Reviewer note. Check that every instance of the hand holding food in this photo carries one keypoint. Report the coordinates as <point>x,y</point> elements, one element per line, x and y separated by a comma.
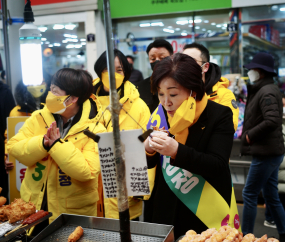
<point>77,233</point>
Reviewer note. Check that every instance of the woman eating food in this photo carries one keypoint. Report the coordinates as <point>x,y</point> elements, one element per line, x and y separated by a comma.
<point>193,188</point>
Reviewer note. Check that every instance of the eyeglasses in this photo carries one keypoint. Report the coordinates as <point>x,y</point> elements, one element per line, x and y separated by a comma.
<point>203,62</point>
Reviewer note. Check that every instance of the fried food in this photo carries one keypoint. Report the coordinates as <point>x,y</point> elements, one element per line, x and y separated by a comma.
<point>3,200</point>
<point>34,217</point>
<point>76,234</point>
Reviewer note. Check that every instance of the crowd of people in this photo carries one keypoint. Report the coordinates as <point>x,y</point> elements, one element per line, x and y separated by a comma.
<point>188,161</point>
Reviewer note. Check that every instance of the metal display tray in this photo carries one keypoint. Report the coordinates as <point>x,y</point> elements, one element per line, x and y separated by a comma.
<point>98,229</point>
<point>22,230</point>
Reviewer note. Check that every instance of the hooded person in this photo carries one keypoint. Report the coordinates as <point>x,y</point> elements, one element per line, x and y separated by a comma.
<point>134,115</point>
<point>62,162</point>
<point>216,86</point>
<point>156,51</point>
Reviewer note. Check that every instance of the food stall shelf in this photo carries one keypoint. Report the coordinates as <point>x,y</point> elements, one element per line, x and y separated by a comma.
<point>103,229</point>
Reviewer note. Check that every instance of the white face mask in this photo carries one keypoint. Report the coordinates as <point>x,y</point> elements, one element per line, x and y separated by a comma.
<point>253,76</point>
<point>283,110</point>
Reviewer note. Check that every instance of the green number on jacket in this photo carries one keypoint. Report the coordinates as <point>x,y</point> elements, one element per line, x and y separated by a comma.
<point>38,170</point>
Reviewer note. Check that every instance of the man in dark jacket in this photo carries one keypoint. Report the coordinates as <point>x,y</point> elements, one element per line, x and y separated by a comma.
<point>263,139</point>
<point>156,51</point>
<point>136,75</point>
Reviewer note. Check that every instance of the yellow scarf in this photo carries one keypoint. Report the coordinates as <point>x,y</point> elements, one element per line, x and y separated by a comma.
<point>185,116</point>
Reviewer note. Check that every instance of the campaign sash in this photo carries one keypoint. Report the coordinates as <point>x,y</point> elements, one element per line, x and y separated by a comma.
<point>194,191</point>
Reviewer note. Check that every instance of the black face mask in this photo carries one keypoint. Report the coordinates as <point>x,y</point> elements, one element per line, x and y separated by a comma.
<point>153,64</point>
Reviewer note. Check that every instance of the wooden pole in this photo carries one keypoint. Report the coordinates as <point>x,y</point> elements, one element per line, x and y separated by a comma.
<point>122,193</point>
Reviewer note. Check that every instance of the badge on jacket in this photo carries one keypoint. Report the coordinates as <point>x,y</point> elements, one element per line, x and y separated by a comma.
<point>234,103</point>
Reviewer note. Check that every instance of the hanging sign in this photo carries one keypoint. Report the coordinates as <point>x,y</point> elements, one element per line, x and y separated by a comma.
<point>17,174</point>
<point>135,162</point>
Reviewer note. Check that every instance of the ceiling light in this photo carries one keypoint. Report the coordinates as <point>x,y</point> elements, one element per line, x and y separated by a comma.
<point>58,26</point>
<point>44,39</point>
<point>78,56</point>
<point>73,36</point>
<point>218,26</point>
<point>206,21</point>
<point>157,24</point>
<point>213,23</point>
<point>177,29</point>
<point>56,44</point>
<point>77,46</point>
<point>84,43</point>
<point>191,21</point>
<point>182,22</point>
<point>64,41</point>
<point>82,39</point>
<point>282,9</point>
<point>190,25</point>
<point>67,35</point>
<point>209,31</point>
<point>50,45</point>
<point>70,26</point>
<point>68,56</point>
<point>225,25</point>
<point>145,25</point>
<point>47,42</point>
<point>42,43</point>
<point>69,46</point>
<point>74,40</point>
<point>170,27</point>
<point>274,7</point>
<point>203,29</point>
<point>197,21</point>
<point>168,30</point>
<point>197,27</point>
<point>184,34</point>
<point>43,29</point>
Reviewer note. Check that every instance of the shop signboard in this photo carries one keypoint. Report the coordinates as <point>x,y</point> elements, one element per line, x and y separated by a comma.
<point>17,174</point>
<point>132,8</point>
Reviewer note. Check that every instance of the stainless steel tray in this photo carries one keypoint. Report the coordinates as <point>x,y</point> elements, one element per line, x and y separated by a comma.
<point>22,230</point>
<point>103,230</point>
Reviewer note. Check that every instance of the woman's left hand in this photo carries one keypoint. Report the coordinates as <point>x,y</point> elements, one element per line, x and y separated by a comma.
<point>164,144</point>
<point>52,134</point>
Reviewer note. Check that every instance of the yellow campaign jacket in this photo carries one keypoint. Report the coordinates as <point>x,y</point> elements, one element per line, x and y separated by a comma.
<point>137,110</point>
<point>69,170</point>
<point>224,96</point>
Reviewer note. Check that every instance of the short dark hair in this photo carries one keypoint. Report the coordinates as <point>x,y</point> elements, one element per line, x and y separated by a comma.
<point>160,43</point>
<point>76,83</point>
<point>131,57</point>
<point>183,69</point>
<point>101,64</point>
<point>205,55</point>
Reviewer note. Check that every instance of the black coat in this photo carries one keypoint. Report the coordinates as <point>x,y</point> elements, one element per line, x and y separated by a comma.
<point>263,120</point>
<point>151,100</point>
<point>7,103</point>
<point>136,76</point>
<point>206,153</point>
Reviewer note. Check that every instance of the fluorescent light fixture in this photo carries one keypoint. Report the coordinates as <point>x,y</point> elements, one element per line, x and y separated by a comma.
<point>203,29</point>
<point>182,22</point>
<point>190,25</point>
<point>197,21</point>
<point>157,24</point>
<point>42,43</point>
<point>69,46</point>
<point>74,40</point>
<point>64,41</point>
<point>77,46</point>
<point>73,36</point>
<point>282,9</point>
<point>197,27</point>
<point>274,7</point>
<point>83,43</point>
<point>168,30</point>
<point>70,26</point>
<point>209,31</point>
<point>206,21</point>
<point>58,26</point>
<point>170,27</point>
<point>145,25</point>
<point>51,45</point>
<point>56,44</point>
<point>78,56</point>
<point>47,42</point>
<point>67,35</point>
<point>177,29</point>
<point>184,34</point>
<point>68,56</point>
<point>218,26</point>
<point>191,21</point>
<point>225,25</point>
<point>213,23</point>
<point>44,39</point>
<point>42,29</point>
<point>82,39</point>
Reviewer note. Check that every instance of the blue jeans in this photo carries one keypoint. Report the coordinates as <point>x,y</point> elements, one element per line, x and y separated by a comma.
<point>262,175</point>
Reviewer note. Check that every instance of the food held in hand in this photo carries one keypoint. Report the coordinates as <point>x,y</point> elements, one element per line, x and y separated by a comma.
<point>76,234</point>
<point>3,200</point>
<point>224,234</point>
<point>34,217</point>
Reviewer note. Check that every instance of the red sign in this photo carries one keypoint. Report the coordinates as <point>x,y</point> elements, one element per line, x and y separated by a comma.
<point>42,2</point>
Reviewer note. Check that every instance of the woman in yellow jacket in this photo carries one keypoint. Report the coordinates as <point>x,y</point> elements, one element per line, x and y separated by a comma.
<point>63,163</point>
<point>134,115</point>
